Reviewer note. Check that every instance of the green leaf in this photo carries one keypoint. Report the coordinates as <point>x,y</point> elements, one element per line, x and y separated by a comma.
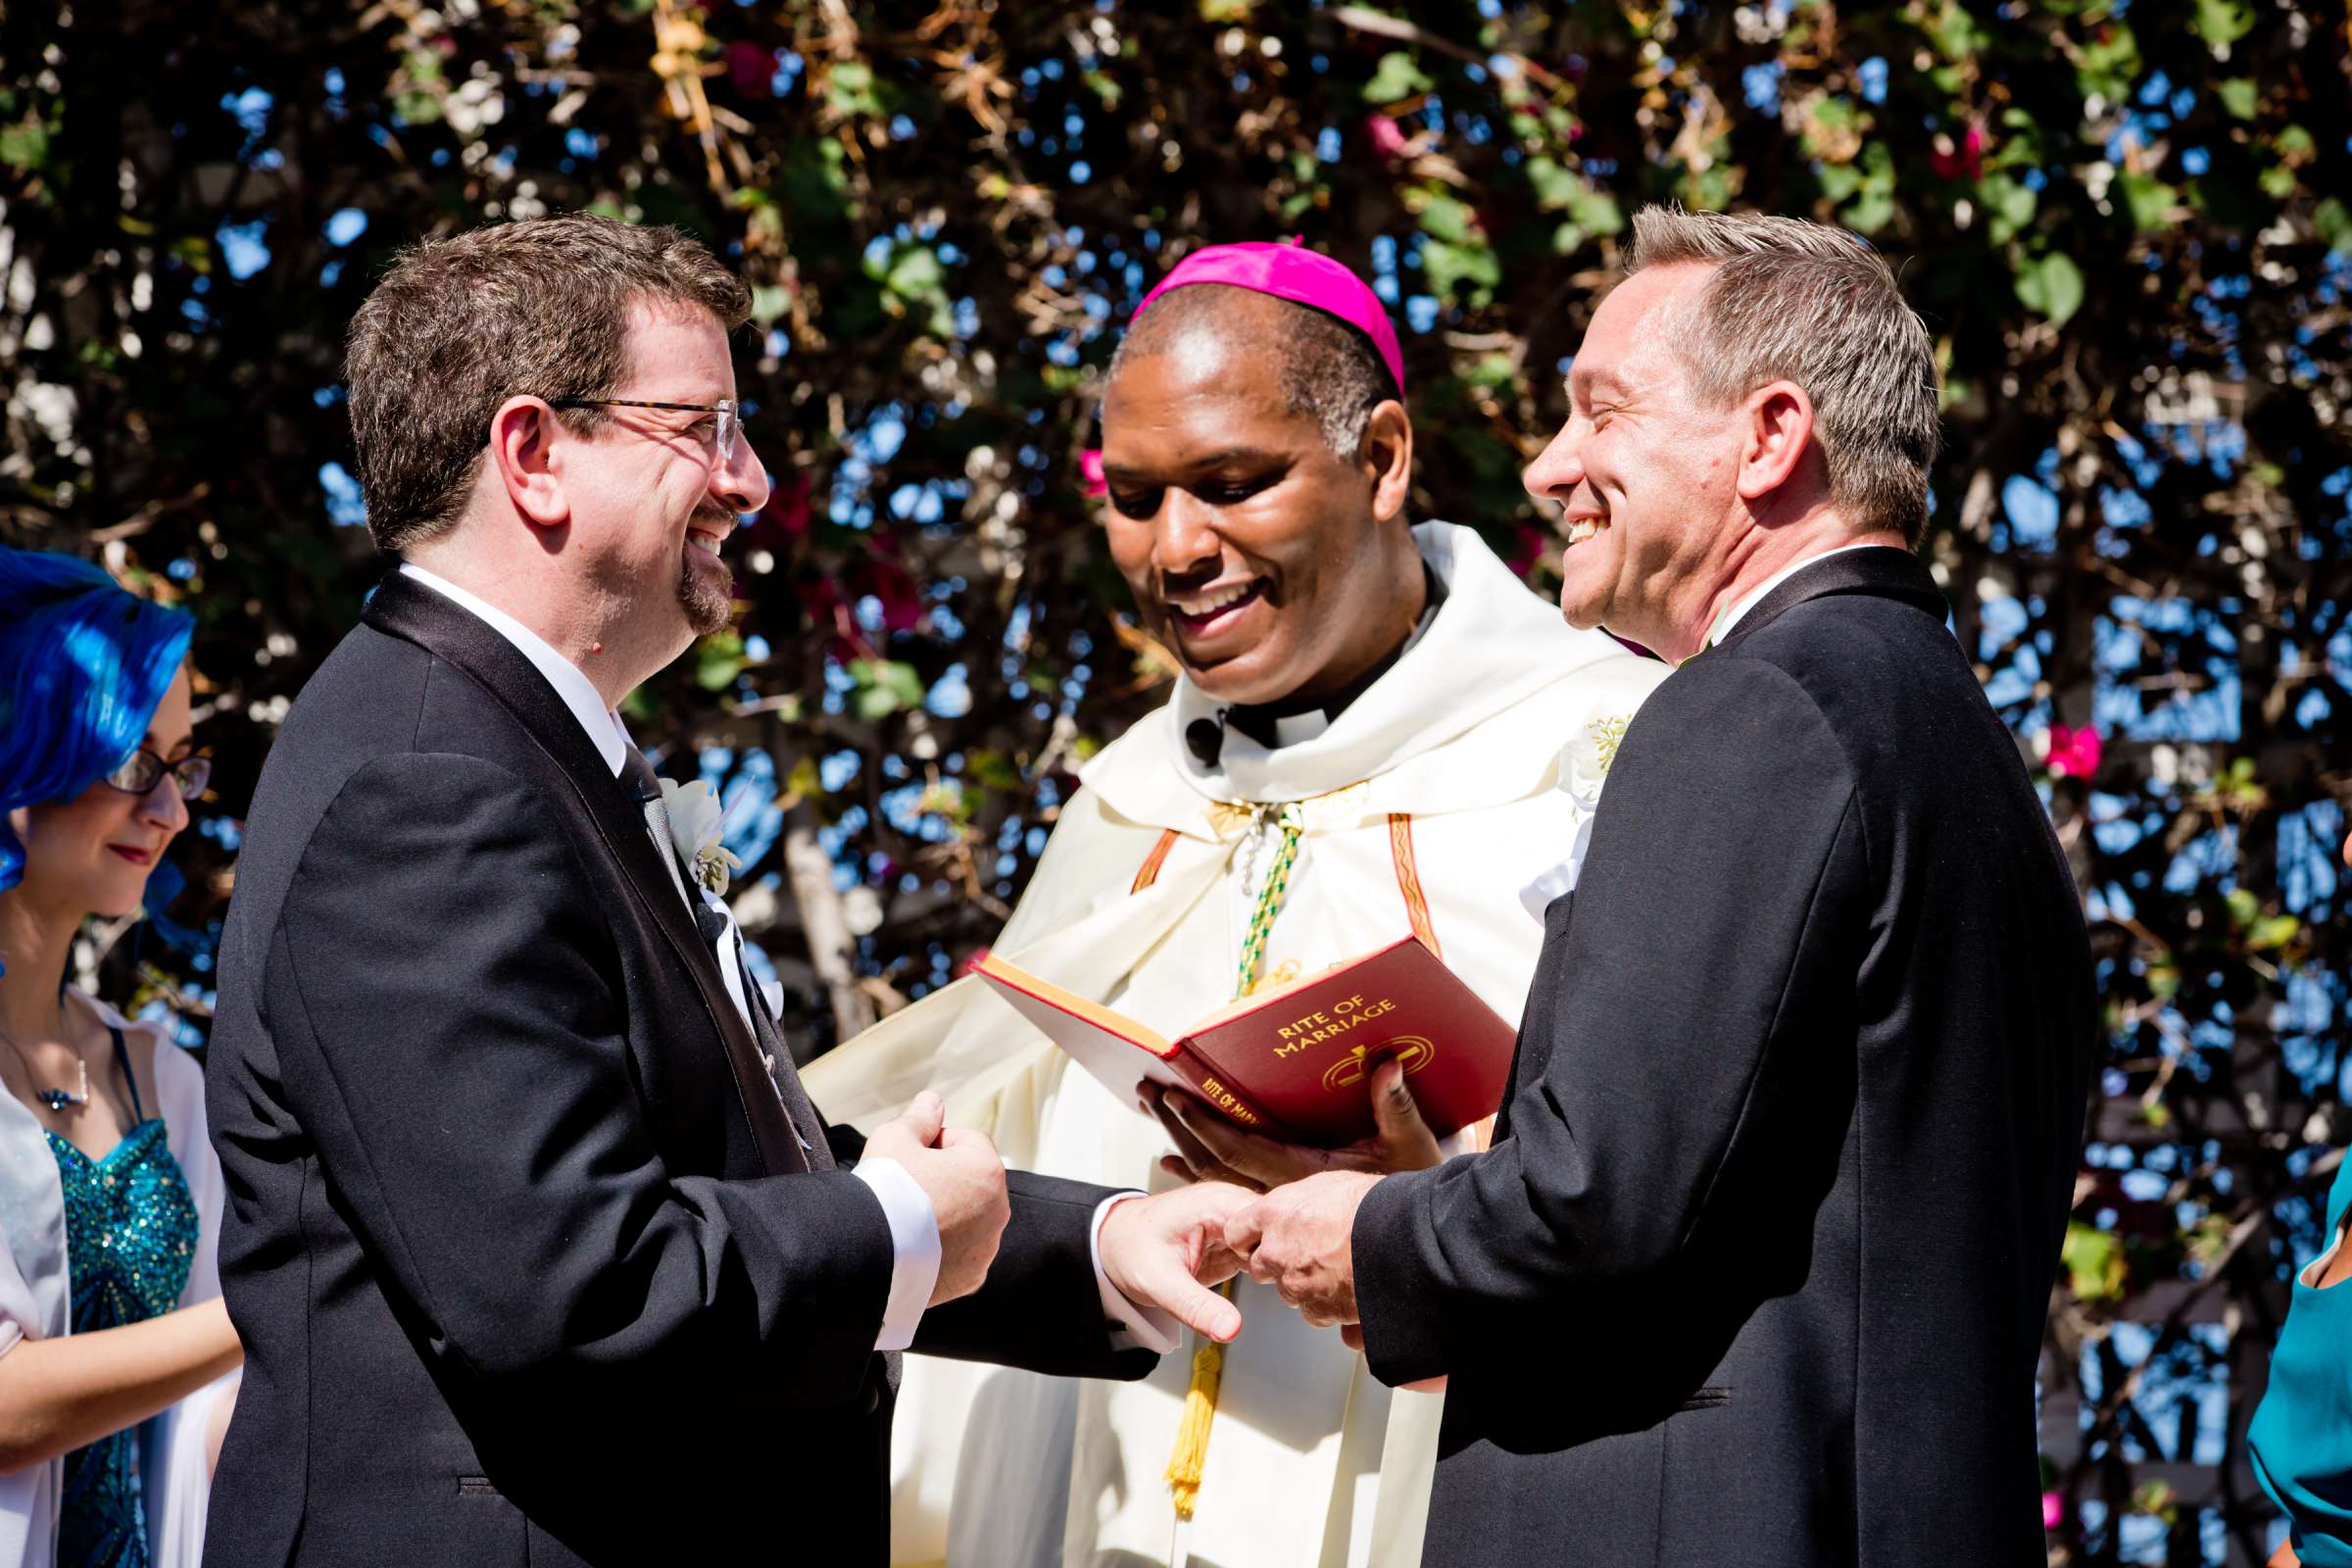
<point>22,147</point>
<point>805,781</point>
<point>992,769</point>
<point>1840,181</point>
<point>1442,218</point>
<point>850,88</point>
<point>2109,63</point>
<point>2152,202</point>
<point>883,686</point>
<point>1837,114</point>
<point>2237,96</point>
<point>915,272</point>
<point>1396,77</point>
<point>1490,371</point>
<point>2221,23</point>
<point>1597,210</point>
<point>1712,188</point>
<point>2009,206</point>
<point>1956,33</point>
<point>2272,932</point>
<point>1869,211</point>
<point>2332,223</point>
<point>2051,287</point>
<point>2094,1265</point>
<point>717,661</point>
<point>1553,185</point>
<point>1468,272</point>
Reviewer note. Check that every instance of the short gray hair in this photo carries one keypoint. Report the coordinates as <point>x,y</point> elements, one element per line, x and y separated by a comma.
<point>1813,304</point>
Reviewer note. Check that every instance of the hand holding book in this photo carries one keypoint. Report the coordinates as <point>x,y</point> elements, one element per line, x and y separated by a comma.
<point>1211,1146</point>
<point>1293,1064</point>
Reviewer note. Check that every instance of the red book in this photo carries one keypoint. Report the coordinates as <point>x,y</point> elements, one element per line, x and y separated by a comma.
<point>1294,1062</point>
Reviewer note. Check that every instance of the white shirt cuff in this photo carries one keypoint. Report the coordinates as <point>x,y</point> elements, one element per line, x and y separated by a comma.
<point>1132,1325</point>
<point>913,1247</point>
<point>1538,894</point>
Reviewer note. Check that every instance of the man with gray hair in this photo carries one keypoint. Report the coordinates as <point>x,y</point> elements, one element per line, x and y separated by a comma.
<point>1756,1267</point>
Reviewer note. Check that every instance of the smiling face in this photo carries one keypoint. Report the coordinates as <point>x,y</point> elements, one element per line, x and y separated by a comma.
<point>92,853</point>
<point>1645,475</point>
<point>651,501</point>
<point>1274,569</point>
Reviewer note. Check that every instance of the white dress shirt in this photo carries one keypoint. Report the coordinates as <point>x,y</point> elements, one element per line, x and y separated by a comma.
<point>1740,606</point>
<point>913,1223</point>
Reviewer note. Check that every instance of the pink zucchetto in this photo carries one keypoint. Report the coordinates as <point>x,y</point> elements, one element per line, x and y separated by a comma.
<point>1292,273</point>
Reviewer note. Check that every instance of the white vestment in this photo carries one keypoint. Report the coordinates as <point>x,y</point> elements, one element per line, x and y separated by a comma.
<point>1464,774</point>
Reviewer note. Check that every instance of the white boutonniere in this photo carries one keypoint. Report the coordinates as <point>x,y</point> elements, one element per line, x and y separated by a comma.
<point>1585,763</point>
<point>694,819</point>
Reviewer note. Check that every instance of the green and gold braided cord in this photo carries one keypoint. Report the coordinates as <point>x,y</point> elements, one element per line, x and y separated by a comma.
<point>1190,1457</point>
<point>1269,897</point>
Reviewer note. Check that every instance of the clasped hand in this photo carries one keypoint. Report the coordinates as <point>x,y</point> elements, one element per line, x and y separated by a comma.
<point>1163,1251</point>
<point>1296,1236</point>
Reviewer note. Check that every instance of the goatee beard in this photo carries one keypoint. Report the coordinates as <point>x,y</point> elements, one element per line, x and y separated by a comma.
<point>709,603</point>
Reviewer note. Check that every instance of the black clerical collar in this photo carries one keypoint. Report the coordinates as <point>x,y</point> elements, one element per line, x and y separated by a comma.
<point>1262,721</point>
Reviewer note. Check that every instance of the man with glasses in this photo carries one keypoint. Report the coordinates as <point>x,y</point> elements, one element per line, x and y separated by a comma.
<point>540,1251</point>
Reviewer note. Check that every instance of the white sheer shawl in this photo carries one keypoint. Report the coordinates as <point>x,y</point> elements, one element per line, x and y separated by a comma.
<point>34,1301</point>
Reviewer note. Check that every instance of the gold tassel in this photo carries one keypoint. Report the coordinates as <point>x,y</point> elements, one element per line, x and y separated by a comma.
<point>1191,1433</point>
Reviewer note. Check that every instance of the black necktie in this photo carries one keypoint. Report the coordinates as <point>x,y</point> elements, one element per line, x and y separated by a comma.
<point>637,776</point>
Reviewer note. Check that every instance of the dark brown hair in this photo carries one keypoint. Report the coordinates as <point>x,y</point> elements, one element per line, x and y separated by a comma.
<point>460,324</point>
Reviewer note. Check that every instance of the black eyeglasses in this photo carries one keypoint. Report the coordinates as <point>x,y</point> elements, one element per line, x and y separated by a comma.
<point>722,436</point>
<point>144,770</point>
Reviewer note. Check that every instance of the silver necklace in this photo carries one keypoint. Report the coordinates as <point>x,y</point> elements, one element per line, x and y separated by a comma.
<point>57,1099</point>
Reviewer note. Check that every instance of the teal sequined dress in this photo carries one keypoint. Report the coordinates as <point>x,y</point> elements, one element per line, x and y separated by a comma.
<point>130,1240</point>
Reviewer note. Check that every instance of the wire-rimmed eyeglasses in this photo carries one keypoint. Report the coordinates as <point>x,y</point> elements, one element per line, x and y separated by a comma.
<point>725,429</point>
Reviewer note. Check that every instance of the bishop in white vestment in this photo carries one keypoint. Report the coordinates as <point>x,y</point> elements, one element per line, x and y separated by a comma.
<point>1443,790</point>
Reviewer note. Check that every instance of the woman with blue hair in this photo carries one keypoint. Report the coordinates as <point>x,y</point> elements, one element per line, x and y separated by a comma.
<point>117,1360</point>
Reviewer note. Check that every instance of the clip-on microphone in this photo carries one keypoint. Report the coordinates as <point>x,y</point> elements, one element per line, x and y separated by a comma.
<point>1204,738</point>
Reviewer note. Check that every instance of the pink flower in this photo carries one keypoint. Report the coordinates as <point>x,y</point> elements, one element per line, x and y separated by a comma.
<point>1967,159</point>
<point>1388,137</point>
<point>1528,549</point>
<point>786,511</point>
<point>2073,753</point>
<point>901,598</point>
<point>2053,1510</point>
<point>1090,470</point>
<point>751,68</point>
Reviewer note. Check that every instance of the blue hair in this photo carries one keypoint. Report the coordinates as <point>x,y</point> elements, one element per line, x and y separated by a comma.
<point>83,664</point>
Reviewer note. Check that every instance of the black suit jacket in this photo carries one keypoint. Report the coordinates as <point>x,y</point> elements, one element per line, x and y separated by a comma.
<point>525,1259</point>
<point>1756,1270</point>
